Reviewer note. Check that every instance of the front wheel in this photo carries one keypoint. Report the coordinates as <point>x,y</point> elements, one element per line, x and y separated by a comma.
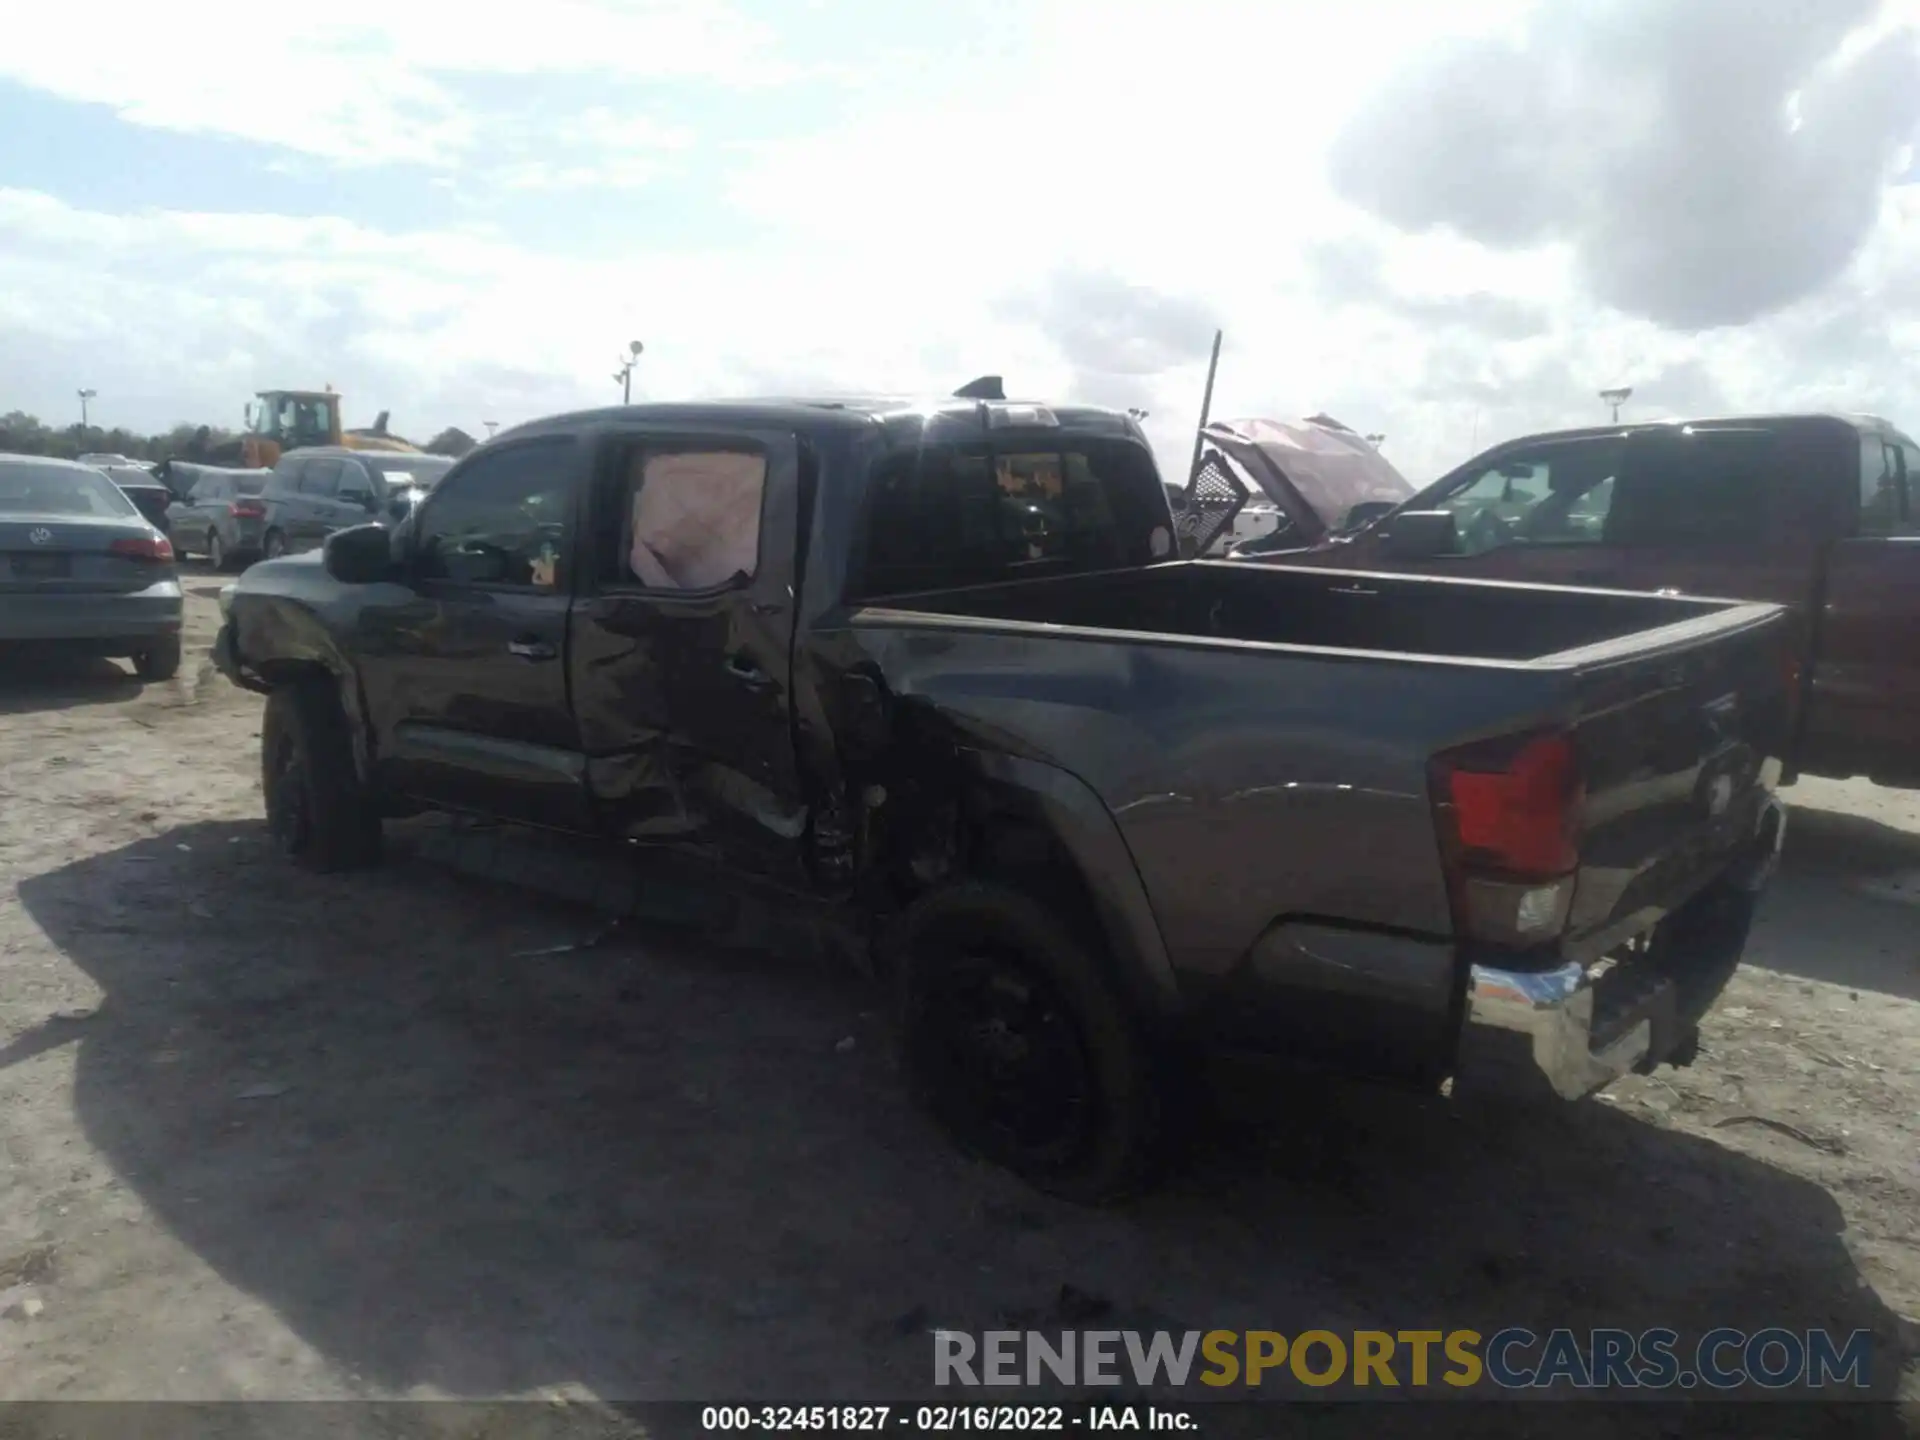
<point>216,550</point>
<point>1021,1049</point>
<point>318,811</point>
<point>275,545</point>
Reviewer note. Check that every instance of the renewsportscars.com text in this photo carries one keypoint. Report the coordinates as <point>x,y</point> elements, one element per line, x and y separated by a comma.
<point>1510,1359</point>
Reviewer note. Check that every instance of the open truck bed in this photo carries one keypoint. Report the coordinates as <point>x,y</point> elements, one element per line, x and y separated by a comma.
<point>1274,743</point>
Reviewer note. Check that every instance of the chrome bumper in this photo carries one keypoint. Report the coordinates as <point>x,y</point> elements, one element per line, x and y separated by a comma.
<point>1526,1026</point>
<point>1551,1011</point>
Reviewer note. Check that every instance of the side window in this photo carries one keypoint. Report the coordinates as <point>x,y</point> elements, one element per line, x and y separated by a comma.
<point>690,518</point>
<point>320,477</point>
<point>1556,495</point>
<point>285,479</point>
<point>355,483</point>
<point>501,519</point>
<point>1882,493</point>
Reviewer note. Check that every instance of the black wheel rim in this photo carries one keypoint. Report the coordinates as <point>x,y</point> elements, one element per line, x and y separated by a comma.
<point>288,821</point>
<point>1002,1060</point>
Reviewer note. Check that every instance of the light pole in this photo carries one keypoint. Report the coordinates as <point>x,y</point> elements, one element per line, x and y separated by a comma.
<point>1376,441</point>
<point>1616,397</point>
<point>1136,412</point>
<point>492,425</point>
<point>85,396</point>
<point>625,373</point>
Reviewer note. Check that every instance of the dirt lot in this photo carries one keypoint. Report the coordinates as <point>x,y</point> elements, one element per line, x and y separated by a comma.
<point>273,1136</point>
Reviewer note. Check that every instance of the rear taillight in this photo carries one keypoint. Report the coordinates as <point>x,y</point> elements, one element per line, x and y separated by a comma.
<point>247,510</point>
<point>155,550</point>
<point>1510,813</point>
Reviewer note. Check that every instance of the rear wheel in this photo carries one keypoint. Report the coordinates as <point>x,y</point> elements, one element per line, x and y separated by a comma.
<point>159,660</point>
<point>318,812</point>
<point>1020,1048</point>
<point>216,550</point>
<point>274,546</point>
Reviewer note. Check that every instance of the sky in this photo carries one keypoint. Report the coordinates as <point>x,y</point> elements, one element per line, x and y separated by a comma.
<point>1448,224</point>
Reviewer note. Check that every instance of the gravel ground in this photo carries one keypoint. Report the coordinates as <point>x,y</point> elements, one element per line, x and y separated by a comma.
<point>270,1136</point>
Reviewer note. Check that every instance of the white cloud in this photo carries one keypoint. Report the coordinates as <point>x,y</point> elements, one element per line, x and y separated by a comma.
<point>367,81</point>
<point>1028,189</point>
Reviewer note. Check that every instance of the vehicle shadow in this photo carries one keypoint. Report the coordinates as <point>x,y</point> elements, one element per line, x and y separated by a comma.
<point>36,678</point>
<point>676,1172</point>
<point>1817,923</point>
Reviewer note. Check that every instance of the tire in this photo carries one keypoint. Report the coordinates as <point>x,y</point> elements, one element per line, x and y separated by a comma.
<point>159,660</point>
<point>217,557</point>
<point>319,814</point>
<point>274,546</point>
<point>1021,1050</point>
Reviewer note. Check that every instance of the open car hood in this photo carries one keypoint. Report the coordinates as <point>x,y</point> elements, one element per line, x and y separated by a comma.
<point>1315,470</point>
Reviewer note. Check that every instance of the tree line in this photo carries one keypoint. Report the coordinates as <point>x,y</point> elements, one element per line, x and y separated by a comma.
<point>24,434</point>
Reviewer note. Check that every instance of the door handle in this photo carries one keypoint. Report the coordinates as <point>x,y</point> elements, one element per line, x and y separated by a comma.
<point>747,673</point>
<point>531,649</point>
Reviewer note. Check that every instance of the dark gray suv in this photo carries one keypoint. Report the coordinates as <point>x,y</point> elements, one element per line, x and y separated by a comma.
<point>318,490</point>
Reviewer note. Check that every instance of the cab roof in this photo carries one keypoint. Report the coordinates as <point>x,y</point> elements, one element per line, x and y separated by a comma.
<point>847,412</point>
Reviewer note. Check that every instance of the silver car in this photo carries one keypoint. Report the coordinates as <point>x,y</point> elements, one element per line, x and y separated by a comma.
<point>82,568</point>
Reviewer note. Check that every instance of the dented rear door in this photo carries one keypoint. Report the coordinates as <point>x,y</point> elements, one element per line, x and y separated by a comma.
<point>681,651</point>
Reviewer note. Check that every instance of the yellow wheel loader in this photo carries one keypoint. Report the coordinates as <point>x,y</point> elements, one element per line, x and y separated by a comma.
<point>280,420</point>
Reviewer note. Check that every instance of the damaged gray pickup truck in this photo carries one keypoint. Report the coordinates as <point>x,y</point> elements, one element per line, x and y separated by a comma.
<point>935,672</point>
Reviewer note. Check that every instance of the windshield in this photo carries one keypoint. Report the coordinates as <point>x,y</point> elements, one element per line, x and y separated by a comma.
<point>295,420</point>
<point>60,490</point>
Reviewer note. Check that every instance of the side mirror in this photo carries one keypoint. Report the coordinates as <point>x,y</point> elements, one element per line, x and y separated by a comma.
<point>249,415</point>
<point>361,555</point>
<point>1366,512</point>
<point>1421,535</point>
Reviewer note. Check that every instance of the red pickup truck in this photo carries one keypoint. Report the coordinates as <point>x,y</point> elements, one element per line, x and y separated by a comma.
<point>1820,513</point>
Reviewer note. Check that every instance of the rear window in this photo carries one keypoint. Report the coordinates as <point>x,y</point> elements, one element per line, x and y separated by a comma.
<point>248,484</point>
<point>1705,488</point>
<point>57,490</point>
<point>945,516</point>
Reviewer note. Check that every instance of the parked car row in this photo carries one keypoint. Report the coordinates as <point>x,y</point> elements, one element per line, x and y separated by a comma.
<point>235,516</point>
<point>939,679</point>
<point>89,549</point>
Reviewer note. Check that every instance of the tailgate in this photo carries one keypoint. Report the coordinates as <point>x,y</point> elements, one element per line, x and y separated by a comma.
<point>1681,737</point>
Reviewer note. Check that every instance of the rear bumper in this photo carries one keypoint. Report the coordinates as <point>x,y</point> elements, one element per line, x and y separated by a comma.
<point>134,615</point>
<point>1578,1027</point>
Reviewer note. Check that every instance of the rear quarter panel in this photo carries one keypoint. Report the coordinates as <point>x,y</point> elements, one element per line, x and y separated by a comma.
<point>1250,784</point>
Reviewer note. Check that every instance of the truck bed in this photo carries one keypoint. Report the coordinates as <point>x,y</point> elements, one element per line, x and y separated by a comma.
<point>1263,737</point>
<point>1332,609</point>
